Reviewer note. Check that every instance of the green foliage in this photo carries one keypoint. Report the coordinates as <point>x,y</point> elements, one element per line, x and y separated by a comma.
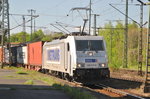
<point>133,56</point>
<point>116,51</point>
<point>29,82</point>
<point>20,37</point>
<point>36,36</point>
<point>50,37</point>
<point>57,35</point>
<point>47,38</point>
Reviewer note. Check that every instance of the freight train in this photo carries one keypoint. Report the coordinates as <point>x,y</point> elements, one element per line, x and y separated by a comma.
<point>80,58</point>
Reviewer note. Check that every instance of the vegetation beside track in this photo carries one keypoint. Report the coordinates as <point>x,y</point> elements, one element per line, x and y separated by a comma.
<point>73,92</point>
<point>114,36</point>
<point>29,82</point>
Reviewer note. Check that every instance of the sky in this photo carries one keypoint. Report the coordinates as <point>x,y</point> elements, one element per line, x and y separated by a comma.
<point>60,11</point>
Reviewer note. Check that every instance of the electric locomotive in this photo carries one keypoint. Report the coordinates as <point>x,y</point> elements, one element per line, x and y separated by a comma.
<point>79,58</point>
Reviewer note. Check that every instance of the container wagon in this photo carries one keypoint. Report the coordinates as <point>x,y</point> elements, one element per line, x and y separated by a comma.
<point>35,55</point>
<point>14,55</point>
<point>22,56</point>
<point>6,56</point>
<point>1,54</point>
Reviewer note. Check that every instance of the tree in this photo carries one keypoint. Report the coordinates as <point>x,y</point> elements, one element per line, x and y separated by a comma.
<point>38,35</point>
<point>19,37</point>
<point>116,50</point>
<point>50,37</point>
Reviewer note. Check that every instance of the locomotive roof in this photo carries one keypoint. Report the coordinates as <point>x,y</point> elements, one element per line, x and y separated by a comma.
<point>54,41</point>
<point>76,38</point>
<point>88,38</point>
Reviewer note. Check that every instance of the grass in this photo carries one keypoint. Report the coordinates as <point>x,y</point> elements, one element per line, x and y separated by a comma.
<point>135,67</point>
<point>10,76</point>
<point>21,72</point>
<point>29,82</point>
<point>74,93</point>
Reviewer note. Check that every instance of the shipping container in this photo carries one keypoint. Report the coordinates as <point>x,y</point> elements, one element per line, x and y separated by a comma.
<point>14,55</point>
<point>35,54</point>
<point>1,54</point>
<point>22,55</point>
<point>6,55</point>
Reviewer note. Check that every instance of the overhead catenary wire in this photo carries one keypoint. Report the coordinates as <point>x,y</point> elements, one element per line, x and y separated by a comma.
<point>58,4</point>
<point>124,14</point>
<point>14,20</point>
<point>75,18</point>
<point>80,14</point>
<point>63,27</point>
<point>73,21</point>
<point>23,15</point>
<point>68,25</point>
<point>125,4</point>
<point>72,18</point>
<point>107,10</point>
<point>22,24</point>
<point>58,28</point>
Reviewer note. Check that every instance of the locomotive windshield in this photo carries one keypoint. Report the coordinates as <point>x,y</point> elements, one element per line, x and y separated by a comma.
<point>89,45</point>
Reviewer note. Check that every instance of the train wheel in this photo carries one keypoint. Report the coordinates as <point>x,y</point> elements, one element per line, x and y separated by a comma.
<point>68,77</point>
<point>45,71</point>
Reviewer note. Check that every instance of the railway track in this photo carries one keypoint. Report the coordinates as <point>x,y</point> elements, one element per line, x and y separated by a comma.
<point>102,89</point>
<point>108,91</point>
<point>129,86</point>
<point>112,92</point>
<point>105,89</point>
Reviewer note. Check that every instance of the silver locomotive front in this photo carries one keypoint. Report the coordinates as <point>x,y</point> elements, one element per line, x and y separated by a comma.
<point>92,61</point>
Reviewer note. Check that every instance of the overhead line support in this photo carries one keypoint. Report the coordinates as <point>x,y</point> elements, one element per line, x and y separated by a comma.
<point>90,17</point>
<point>140,46</point>
<point>31,11</point>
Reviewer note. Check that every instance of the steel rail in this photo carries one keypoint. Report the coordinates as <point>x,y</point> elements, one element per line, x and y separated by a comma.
<point>118,91</point>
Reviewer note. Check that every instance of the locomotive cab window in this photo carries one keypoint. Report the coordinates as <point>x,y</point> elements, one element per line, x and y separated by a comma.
<point>89,45</point>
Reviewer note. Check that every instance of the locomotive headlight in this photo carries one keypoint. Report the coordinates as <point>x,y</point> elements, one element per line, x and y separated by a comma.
<point>79,65</point>
<point>90,54</point>
<point>103,65</point>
